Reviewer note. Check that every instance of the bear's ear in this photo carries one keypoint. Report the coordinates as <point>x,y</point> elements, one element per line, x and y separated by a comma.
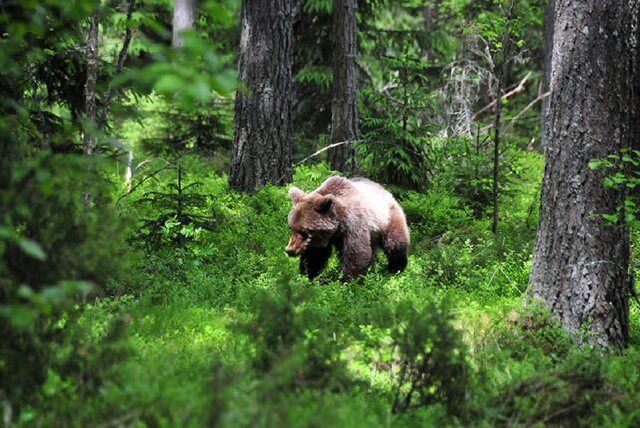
<point>296,194</point>
<point>323,205</point>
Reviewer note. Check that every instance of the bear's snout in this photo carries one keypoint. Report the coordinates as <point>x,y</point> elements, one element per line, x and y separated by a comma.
<point>291,251</point>
<point>296,246</point>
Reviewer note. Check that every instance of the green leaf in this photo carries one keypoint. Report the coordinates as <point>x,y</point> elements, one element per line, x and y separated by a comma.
<point>5,232</point>
<point>168,84</point>
<point>32,248</point>
<point>595,164</point>
<point>20,316</point>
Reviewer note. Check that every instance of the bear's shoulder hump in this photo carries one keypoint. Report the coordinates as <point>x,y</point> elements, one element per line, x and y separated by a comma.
<point>335,185</point>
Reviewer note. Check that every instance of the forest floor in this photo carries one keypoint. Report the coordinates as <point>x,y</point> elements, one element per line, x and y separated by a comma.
<point>223,330</point>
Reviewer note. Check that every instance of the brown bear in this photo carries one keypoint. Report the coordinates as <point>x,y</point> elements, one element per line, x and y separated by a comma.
<point>356,217</point>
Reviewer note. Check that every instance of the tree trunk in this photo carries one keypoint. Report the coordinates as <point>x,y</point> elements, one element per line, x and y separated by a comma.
<point>262,137</point>
<point>431,14</point>
<point>184,18</point>
<point>122,57</point>
<point>548,48</point>
<point>580,262</point>
<point>501,77</point>
<point>88,138</point>
<point>497,125</point>
<point>344,106</point>
<point>636,77</point>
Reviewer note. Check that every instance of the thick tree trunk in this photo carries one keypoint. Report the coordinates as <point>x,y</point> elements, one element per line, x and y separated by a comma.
<point>184,18</point>
<point>344,106</point>
<point>88,138</point>
<point>580,262</point>
<point>262,138</point>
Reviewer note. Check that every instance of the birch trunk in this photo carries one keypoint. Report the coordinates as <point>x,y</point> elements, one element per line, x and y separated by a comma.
<point>184,18</point>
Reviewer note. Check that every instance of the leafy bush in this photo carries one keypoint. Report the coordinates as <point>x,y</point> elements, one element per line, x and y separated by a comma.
<point>621,172</point>
<point>433,213</point>
<point>468,170</point>
<point>534,327</point>
<point>572,395</point>
<point>290,348</point>
<point>432,358</point>
<point>49,259</point>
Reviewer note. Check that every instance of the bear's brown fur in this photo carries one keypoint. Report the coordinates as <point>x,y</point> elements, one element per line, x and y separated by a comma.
<point>354,216</point>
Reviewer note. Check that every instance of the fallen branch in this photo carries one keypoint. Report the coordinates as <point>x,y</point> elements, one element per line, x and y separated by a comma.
<point>121,420</point>
<point>132,189</point>
<point>324,149</point>
<point>519,115</point>
<point>531,104</point>
<point>514,91</point>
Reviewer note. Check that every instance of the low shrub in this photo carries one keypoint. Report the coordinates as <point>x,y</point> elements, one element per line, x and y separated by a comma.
<point>432,359</point>
<point>54,254</point>
<point>571,395</point>
<point>534,327</point>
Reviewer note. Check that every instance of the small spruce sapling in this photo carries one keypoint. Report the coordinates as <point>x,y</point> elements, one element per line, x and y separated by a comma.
<point>178,221</point>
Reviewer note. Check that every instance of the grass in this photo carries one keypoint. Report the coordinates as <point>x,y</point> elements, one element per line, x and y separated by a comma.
<point>194,321</point>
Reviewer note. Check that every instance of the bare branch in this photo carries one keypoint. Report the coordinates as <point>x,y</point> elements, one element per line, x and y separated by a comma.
<point>514,91</point>
<point>531,104</point>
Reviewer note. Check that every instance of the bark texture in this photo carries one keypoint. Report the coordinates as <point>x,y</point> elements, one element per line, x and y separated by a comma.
<point>184,18</point>
<point>548,49</point>
<point>431,14</point>
<point>497,127</point>
<point>262,137</point>
<point>635,12</point>
<point>344,106</point>
<point>501,72</point>
<point>580,268</point>
<point>90,84</point>
<point>88,138</point>
<point>122,56</point>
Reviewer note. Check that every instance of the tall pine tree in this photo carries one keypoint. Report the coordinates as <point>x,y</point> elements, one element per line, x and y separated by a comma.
<point>581,262</point>
<point>344,106</point>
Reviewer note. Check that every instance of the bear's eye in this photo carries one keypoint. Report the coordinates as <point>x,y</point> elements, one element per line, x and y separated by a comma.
<point>304,234</point>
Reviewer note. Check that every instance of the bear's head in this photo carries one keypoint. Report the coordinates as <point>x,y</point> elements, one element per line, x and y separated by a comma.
<point>312,220</point>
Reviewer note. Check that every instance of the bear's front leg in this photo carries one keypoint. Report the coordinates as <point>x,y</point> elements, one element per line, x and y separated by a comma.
<point>356,253</point>
<point>314,260</point>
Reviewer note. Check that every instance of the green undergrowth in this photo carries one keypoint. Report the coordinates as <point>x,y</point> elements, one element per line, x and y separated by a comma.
<point>217,328</point>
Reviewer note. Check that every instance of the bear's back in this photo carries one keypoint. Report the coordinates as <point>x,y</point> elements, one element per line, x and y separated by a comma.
<point>372,191</point>
<point>365,200</point>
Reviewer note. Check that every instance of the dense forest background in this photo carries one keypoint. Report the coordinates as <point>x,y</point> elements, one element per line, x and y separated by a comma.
<point>146,147</point>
